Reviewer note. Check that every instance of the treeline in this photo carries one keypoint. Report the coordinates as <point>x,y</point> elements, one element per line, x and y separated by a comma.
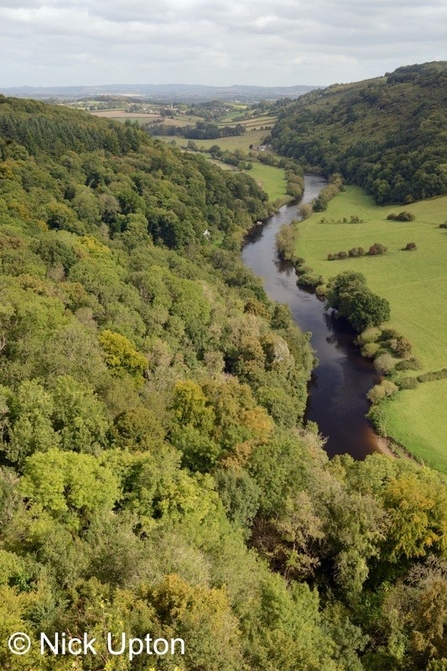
<point>201,131</point>
<point>155,475</point>
<point>385,135</point>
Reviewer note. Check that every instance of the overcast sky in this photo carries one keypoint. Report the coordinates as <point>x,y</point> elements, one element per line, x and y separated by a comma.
<point>215,42</point>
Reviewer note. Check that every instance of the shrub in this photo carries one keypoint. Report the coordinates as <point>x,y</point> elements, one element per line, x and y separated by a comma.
<point>389,333</point>
<point>435,375</point>
<point>370,349</point>
<point>321,290</point>
<point>409,247</point>
<point>376,249</point>
<point>309,279</point>
<point>369,335</point>
<point>402,216</point>
<point>286,241</point>
<point>384,364</point>
<point>377,415</point>
<point>409,364</point>
<point>352,253</point>
<point>444,225</point>
<point>304,270</point>
<point>408,383</point>
<point>319,205</point>
<point>356,251</point>
<point>305,210</point>
<point>380,391</point>
<point>401,346</point>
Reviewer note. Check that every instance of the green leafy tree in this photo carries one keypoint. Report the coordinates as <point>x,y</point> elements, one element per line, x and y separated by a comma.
<point>71,487</point>
<point>349,295</point>
<point>78,417</point>
<point>121,355</point>
<point>28,424</point>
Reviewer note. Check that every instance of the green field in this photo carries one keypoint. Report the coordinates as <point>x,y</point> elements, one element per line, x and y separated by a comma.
<point>271,179</point>
<point>413,282</point>
<point>416,418</point>
<point>255,123</point>
<point>241,142</point>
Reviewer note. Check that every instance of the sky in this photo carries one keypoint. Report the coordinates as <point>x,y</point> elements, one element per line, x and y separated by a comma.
<point>215,42</point>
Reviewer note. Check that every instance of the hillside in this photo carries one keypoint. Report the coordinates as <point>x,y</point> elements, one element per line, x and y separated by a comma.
<point>387,135</point>
<point>155,474</point>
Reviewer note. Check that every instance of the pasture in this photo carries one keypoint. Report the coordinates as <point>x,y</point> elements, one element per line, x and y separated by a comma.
<point>416,418</point>
<point>271,179</point>
<point>413,282</point>
<point>241,142</point>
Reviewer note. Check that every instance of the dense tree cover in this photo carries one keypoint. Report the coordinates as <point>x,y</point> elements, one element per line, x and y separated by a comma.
<point>349,295</point>
<point>155,475</point>
<point>203,130</point>
<point>386,134</point>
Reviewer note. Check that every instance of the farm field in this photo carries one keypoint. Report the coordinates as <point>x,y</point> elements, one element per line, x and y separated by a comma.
<point>255,123</point>
<point>122,114</point>
<point>143,117</point>
<point>271,178</point>
<point>241,142</point>
<point>413,282</point>
<point>416,419</point>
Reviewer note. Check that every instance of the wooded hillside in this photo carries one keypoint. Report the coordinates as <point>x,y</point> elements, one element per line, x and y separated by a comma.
<point>386,134</point>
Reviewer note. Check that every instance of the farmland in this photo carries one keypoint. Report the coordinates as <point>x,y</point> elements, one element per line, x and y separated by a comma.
<point>413,282</point>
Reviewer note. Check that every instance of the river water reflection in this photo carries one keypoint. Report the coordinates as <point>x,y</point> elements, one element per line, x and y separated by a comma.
<point>337,392</point>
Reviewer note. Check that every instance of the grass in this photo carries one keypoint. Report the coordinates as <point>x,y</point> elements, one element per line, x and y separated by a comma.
<point>416,419</point>
<point>271,179</point>
<point>413,282</point>
<point>252,123</point>
<point>143,117</point>
<point>241,142</point>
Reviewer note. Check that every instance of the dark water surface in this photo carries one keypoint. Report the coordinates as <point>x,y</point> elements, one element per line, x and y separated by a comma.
<point>337,392</point>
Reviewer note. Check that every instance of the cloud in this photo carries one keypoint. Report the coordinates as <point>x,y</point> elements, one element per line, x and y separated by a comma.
<point>283,42</point>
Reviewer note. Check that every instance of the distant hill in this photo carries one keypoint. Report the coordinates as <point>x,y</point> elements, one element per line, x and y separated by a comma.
<point>163,92</point>
<point>388,135</point>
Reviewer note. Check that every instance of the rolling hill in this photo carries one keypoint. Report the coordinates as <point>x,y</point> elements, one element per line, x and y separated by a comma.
<point>388,135</point>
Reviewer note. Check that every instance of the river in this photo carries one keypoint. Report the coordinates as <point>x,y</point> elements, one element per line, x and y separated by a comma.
<point>337,391</point>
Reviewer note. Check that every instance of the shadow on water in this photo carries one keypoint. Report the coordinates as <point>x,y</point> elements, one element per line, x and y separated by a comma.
<point>337,390</point>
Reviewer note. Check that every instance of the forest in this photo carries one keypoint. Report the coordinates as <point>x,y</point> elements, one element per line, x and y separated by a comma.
<point>386,135</point>
<point>156,475</point>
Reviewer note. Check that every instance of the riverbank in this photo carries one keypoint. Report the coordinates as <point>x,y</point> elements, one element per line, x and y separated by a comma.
<point>413,284</point>
<point>337,392</point>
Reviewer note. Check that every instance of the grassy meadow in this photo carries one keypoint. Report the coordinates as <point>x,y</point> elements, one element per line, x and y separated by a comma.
<point>413,282</point>
<point>241,142</point>
<point>416,418</point>
<point>271,179</point>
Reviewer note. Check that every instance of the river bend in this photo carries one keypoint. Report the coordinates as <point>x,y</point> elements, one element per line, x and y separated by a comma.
<point>337,391</point>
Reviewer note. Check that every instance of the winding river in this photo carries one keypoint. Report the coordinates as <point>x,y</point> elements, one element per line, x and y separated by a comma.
<point>337,391</point>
